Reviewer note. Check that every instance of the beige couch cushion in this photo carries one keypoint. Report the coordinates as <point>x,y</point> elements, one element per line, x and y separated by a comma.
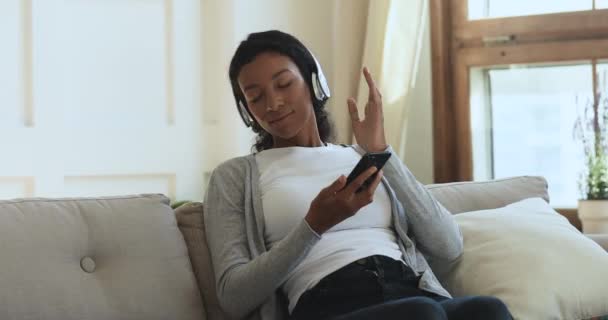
<point>534,260</point>
<point>460,197</point>
<point>94,258</point>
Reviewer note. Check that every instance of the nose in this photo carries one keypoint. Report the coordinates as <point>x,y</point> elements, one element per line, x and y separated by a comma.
<point>274,102</point>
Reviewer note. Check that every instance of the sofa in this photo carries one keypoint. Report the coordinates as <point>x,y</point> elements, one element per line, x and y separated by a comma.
<point>134,257</point>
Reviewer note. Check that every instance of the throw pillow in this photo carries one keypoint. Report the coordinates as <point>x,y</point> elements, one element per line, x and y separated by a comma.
<point>529,256</point>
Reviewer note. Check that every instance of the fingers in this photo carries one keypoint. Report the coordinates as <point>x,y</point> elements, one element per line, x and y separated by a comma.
<point>374,93</point>
<point>366,196</point>
<point>352,109</point>
<point>358,182</point>
<point>371,190</point>
<point>336,185</point>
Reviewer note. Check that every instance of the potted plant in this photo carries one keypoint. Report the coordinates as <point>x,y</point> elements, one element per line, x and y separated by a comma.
<point>590,129</point>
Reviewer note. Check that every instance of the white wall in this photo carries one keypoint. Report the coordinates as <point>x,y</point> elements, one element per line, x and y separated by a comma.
<point>96,104</point>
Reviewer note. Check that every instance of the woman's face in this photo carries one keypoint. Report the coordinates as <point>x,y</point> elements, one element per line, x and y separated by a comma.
<point>277,96</point>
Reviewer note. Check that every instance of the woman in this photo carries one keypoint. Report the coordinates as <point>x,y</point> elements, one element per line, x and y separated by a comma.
<point>289,240</point>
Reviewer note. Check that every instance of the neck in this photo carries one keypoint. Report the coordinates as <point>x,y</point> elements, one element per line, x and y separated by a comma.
<point>307,137</point>
<point>296,141</point>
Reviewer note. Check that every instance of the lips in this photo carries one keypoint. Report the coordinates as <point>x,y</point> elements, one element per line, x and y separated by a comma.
<point>277,119</point>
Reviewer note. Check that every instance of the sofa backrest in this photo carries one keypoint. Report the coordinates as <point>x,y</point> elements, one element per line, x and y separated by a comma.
<point>460,197</point>
<point>94,258</point>
<point>457,197</point>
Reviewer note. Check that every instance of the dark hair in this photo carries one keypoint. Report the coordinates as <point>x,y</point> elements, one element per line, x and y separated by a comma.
<point>287,45</point>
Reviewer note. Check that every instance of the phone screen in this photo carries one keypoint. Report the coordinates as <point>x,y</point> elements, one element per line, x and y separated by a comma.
<point>377,159</point>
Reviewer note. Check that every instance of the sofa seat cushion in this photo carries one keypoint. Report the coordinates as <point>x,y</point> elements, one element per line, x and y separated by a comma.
<point>94,258</point>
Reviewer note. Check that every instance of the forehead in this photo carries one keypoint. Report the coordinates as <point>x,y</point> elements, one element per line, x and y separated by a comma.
<point>264,66</point>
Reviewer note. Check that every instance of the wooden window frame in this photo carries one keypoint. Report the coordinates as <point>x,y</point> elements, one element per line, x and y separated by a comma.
<point>459,44</point>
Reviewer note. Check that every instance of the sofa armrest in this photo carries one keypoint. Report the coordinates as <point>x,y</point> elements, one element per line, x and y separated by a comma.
<point>601,239</point>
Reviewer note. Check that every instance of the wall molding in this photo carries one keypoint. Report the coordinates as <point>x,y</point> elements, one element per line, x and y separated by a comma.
<point>27,64</point>
<point>171,179</point>
<point>27,51</point>
<point>27,182</point>
<point>169,62</point>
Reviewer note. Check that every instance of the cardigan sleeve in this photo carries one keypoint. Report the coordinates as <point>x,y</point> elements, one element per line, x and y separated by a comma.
<point>243,283</point>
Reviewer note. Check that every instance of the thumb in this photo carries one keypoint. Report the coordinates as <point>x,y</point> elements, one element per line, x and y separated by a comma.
<point>336,185</point>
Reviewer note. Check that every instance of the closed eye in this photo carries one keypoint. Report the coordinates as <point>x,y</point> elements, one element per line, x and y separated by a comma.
<point>283,86</point>
<point>256,99</point>
<point>280,86</point>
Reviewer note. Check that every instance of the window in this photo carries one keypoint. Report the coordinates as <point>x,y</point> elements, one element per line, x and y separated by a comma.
<point>522,124</point>
<point>483,9</point>
<point>507,76</point>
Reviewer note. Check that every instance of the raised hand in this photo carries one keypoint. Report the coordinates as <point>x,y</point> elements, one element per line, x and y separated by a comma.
<point>369,132</point>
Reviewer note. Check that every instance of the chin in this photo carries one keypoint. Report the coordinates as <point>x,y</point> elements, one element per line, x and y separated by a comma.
<point>285,134</point>
<point>286,131</point>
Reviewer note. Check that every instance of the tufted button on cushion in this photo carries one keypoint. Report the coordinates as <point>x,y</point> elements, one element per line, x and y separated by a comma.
<point>87,264</point>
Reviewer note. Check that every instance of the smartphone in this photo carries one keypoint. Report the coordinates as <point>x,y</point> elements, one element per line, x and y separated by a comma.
<point>370,159</point>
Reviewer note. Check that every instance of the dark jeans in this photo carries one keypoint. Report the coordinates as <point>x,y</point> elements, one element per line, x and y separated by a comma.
<point>379,287</point>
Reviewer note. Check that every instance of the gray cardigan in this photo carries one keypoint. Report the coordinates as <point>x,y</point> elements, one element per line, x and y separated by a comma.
<point>249,277</point>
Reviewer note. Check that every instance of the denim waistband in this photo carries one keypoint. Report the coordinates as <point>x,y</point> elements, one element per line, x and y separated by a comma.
<point>381,268</point>
<point>364,282</point>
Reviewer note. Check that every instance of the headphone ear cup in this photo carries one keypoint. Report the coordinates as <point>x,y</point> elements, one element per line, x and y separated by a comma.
<point>244,114</point>
<point>322,82</point>
<point>317,88</point>
<point>319,82</point>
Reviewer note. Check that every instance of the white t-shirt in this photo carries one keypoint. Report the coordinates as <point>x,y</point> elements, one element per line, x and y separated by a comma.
<point>290,178</point>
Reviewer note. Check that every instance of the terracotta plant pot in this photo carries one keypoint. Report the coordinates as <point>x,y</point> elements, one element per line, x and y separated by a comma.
<point>593,215</point>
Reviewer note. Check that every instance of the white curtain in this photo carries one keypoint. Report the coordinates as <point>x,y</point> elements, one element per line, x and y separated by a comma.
<point>347,39</point>
<point>393,42</point>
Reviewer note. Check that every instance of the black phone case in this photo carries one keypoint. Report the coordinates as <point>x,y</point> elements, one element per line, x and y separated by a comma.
<point>377,159</point>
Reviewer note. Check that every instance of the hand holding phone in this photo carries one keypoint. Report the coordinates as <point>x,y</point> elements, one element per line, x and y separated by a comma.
<point>338,202</point>
<point>371,159</point>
